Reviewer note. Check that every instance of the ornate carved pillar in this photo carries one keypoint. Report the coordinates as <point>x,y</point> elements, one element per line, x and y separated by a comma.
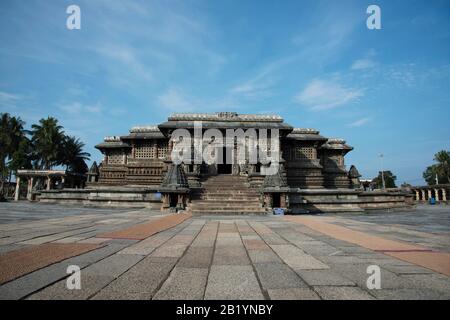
<point>429,194</point>
<point>423,195</point>
<point>16,196</point>
<point>417,195</point>
<point>165,202</point>
<point>180,203</point>
<point>444,195</point>
<point>49,183</point>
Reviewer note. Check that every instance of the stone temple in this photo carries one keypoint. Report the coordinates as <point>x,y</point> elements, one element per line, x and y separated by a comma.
<point>137,170</point>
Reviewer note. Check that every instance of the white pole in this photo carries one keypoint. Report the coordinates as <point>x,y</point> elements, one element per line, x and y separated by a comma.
<point>382,172</point>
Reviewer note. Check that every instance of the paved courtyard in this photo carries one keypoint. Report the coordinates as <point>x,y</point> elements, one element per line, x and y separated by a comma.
<point>143,254</point>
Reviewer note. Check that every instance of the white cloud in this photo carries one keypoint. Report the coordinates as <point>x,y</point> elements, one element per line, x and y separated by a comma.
<point>78,108</point>
<point>325,94</point>
<point>174,100</point>
<point>8,99</point>
<point>363,64</point>
<point>259,85</point>
<point>359,123</point>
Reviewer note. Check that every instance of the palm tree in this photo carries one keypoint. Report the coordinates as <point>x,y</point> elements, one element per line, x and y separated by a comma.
<point>47,137</point>
<point>11,136</point>
<point>73,156</point>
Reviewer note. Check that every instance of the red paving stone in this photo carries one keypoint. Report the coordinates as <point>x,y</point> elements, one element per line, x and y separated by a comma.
<point>436,261</point>
<point>17,263</point>
<point>145,230</point>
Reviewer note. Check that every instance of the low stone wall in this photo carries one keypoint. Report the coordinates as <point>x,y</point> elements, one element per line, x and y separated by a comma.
<point>390,199</point>
<point>105,197</point>
<point>346,200</point>
<point>324,200</point>
<point>300,200</point>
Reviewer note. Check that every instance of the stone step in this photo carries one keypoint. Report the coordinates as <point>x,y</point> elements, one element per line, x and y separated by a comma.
<point>221,206</point>
<point>225,194</point>
<point>226,212</point>
<point>226,197</point>
<point>249,193</point>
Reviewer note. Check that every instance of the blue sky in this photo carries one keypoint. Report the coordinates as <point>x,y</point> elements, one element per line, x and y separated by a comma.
<point>313,62</point>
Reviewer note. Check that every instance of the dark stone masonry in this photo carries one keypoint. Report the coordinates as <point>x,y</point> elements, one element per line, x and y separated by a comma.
<point>137,171</point>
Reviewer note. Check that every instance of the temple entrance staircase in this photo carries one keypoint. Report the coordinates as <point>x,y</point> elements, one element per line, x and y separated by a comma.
<point>226,195</point>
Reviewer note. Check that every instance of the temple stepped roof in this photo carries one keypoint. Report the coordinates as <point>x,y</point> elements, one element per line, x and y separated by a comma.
<point>336,144</point>
<point>225,116</point>
<point>306,134</point>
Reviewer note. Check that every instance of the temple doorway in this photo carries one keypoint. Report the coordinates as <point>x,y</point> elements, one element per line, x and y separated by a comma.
<point>226,166</point>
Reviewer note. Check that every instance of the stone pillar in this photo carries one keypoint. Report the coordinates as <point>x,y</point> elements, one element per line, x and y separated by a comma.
<point>180,203</point>
<point>444,195</point>
<point>268,200</point>
<point>165,202</point>
<point>30,188</point>
<point>124,158</point>
<point>16,196</point>
<point>436,194</point>
<point>63,181</point>
<point>283,200</point>
<point>423,195</point>
<point>417,195</point>
<point>429,194</point>
<point>49,183</point>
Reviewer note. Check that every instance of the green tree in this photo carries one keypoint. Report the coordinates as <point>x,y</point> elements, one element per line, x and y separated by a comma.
<point>47,138</point>
<point>389,179</point>
<point>72,155</point>
<point>441,169</point>
<point>12,134</point>
<point>22,157</point>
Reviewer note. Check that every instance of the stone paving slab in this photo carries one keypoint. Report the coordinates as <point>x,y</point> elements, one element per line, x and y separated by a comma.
<point>324,278</point>
<point>293,294</point>
<point>184,284</point>
<point>113,266</point>
<point>263,256</point>
<point>342,293</point>
<point>16,263</point>
<point>145,230</point>
<point>90,284</point>
<point>410,294</point>
<point>437,261</point>
<point>232,283</point>
<point>296,258</point>
<point>231,255</point>
<point>140,282</point>
<point>277,276</point>
<point>196,257</point>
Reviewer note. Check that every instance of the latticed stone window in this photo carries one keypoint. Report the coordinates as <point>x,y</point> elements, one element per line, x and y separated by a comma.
<point>305,153</point>
<point>145,150</point>
<point>115,157</point>
<point>163,149</point>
